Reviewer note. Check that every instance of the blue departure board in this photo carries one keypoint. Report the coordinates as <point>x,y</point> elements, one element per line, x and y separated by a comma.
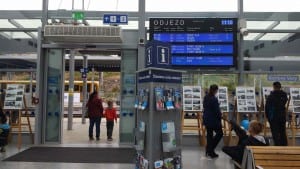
<point>198,42</point>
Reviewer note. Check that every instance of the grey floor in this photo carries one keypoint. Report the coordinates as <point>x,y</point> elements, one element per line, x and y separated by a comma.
<point>192,154</point>
<point>193,158</point>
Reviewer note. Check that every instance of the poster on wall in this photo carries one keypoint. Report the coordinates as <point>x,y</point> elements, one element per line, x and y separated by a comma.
<point>266,92</point>
<point>223,98</point>
<point>295,99</point>
<point>192,98</point>
<point>246,101</point>
<point>14,96</point>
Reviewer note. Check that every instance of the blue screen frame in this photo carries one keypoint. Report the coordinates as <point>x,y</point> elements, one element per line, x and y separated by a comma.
<point>198,42</point>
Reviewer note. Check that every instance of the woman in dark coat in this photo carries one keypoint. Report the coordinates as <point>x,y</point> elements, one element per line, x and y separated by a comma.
<point>253,139</point>
<point>95,112</point>
<point>212,121</point>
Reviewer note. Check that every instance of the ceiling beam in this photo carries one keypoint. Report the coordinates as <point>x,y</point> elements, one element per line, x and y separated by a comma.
<point>274,31</point>
<point>18,29</point>
<point>133,16</point>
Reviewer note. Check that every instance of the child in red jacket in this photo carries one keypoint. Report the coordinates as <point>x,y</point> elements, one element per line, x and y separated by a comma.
<point>111,115</point>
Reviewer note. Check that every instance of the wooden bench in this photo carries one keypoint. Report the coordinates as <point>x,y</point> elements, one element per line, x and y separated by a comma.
<point>271,157</point>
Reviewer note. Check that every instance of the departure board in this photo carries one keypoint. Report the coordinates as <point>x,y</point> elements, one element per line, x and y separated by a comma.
<point>198,42</point>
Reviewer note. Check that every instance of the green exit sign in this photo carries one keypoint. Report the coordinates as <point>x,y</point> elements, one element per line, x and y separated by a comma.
<point>78,15</point>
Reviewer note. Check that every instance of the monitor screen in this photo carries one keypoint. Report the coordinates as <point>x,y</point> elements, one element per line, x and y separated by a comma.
<point>198,42</point>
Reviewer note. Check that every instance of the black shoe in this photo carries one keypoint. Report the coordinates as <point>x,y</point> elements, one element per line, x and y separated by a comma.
<point>212,155</point>
<point>97,138</point>
<point>91,138</point>
<point>2,149</point>
<point>215,154</point>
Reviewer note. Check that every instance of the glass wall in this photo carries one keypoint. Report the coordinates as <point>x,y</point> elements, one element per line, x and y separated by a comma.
<point>95,5</point>
<point>191,5</point>
<point>54,96</point>
<point>159,5</point>
<point>271,6</point>
<point>21,5</point>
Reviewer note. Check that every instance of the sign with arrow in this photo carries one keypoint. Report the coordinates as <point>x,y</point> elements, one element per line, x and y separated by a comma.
<point>115,19</point>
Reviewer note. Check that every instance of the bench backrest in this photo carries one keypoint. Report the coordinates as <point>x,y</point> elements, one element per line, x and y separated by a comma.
<point>276,157</point>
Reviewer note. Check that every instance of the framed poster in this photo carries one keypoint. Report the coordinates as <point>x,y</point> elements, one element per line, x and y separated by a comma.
<point>14,96</point>
<point>222,96</point>
<point>192,100</point>
<point>295,99</point>
<point>246,101</point>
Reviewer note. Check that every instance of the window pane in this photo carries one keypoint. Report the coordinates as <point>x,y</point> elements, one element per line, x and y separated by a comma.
<point>272,5</point>
<point>17,35</point>
<point>29,23</point>
<point>5,24</point>
<point>274,36</point>
<point>191,5</point>
<point>258,24</point>
<point>21,5</point>
<point>96,5</point>
<point>288,25</point>
<point>250,36</point>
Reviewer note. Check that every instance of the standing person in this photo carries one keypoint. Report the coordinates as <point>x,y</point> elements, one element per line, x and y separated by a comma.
<point>275,112</point>
<point>4,131</point>
<point>212,121</point>
<point>95,112</point>
<point>111,114</point>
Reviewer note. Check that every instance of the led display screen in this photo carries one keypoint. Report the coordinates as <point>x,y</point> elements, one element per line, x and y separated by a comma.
<point>198,42</point>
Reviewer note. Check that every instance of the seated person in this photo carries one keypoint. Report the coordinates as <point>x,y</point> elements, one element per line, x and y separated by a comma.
<point>253,139</point>
<point>4,131</point>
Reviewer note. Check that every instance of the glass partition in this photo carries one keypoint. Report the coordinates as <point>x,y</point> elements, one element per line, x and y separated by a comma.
<point>54,95</point>
<point>191,5</point>
<point>271,6</point>
<point>21,5</point>
<point>95,5</point>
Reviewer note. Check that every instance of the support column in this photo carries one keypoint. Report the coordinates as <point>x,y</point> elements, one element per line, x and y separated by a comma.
<point>45,13</point>
<point>241,45</point>
<point>141,34</point>
<point>71,89</point>
<point>93,79</point>
<point>101,83</point>
<point>40,84</point>
<point>84,91</point>
<point>30,85</point>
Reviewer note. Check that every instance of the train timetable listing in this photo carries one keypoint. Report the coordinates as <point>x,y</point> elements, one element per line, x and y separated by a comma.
<point>202,60</point>
<point>202,49</point>
<point>194,37</point>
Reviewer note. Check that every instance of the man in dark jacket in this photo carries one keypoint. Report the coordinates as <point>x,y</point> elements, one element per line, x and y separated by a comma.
<point>212,121</point>
<point>275,112</point>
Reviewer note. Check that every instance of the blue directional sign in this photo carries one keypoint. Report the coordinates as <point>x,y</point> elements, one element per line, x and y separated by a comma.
<point>115,19</point>
<point>84,70</point>
<point>288,78</point>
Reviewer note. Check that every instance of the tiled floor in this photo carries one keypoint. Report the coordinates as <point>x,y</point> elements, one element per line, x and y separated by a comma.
<point>192,155</point>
